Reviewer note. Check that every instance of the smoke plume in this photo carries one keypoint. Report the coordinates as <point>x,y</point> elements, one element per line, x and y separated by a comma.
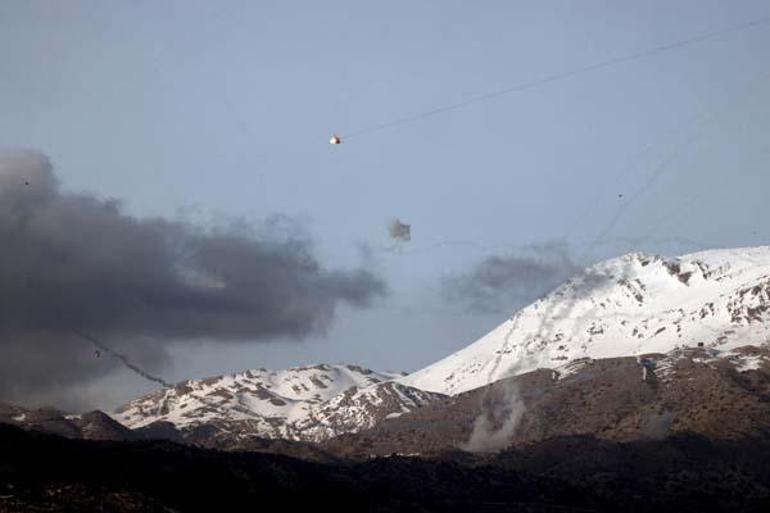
<point>502,283</point>
<point>122,358</point>
<point>657,426</point>
<point>493,429</point>
<point>75,262</point>
<point>399,231</point>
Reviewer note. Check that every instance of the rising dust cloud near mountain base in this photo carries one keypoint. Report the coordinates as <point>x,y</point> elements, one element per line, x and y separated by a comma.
<point>493,429</point>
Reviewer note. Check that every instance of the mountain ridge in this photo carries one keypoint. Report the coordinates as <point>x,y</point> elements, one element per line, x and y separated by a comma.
<point>625,306</point>
<point>308,403</point>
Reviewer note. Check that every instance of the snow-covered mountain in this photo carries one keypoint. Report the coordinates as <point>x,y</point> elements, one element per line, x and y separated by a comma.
<point>636,304</point>
<point>630,305</point>
<point>300,403</point>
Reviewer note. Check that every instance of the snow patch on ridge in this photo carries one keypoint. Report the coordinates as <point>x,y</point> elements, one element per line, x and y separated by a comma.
<point>630,305</point>
<point>300,403</point>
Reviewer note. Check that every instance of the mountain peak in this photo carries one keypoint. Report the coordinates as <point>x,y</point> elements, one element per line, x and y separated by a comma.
<point>630,305</point>
<point>305,402</point>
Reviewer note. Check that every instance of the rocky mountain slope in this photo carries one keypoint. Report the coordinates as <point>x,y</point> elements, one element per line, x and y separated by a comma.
<point>308,403</point>
<point>717,394</point>
<point>94,425</point>
<point>626,306</point>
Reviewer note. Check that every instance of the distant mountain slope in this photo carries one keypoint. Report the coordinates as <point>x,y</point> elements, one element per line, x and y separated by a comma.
<point>300,403</point>
<point>718,394</point>
<point>94,425</point>
<point>625,306</point>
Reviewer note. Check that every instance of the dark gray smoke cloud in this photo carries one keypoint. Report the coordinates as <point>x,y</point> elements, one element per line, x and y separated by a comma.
<point>501,283</point>
<point>74,262</point>
<point>101,347</point>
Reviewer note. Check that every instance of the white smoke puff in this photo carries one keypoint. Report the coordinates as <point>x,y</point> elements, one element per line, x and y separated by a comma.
<point>658,426</point>
<point>493,429</point>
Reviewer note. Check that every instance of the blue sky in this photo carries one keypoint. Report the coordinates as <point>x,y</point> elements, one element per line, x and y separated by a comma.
<point>211,111</point>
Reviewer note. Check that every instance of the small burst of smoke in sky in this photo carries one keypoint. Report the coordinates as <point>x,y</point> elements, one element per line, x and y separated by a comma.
<point>76,262</point>
<point>501,283</point>
<point>502,411</point>
<point>400,231</point>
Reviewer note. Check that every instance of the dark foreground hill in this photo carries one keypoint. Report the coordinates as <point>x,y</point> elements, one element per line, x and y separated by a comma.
<point>43,472</point>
